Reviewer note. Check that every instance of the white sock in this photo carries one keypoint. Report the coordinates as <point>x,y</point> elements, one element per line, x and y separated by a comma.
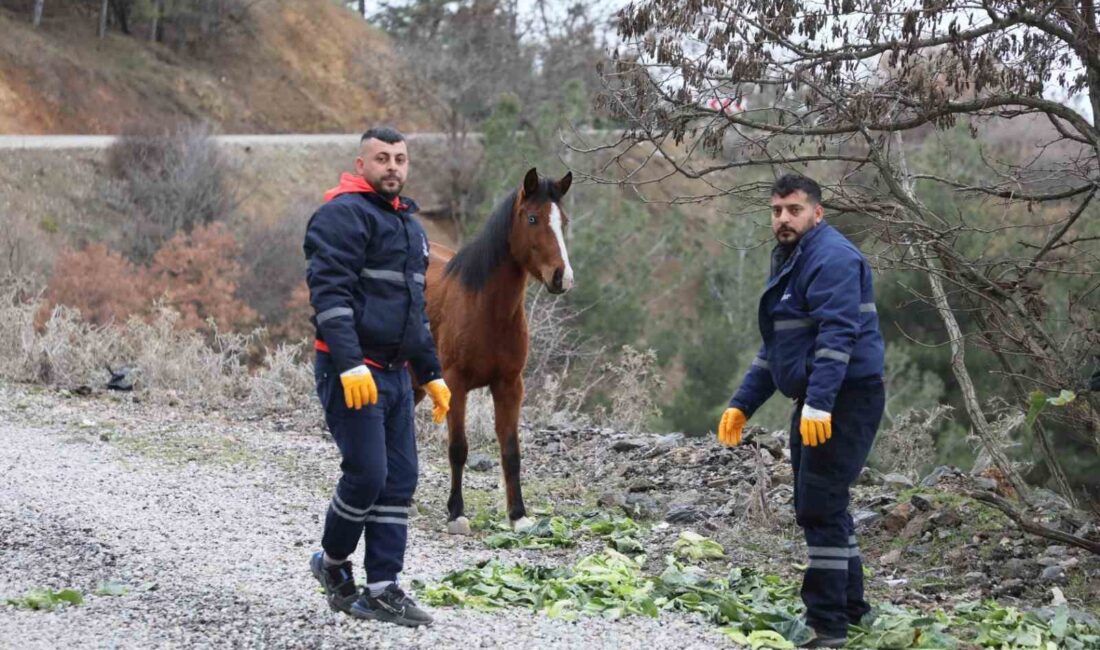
<point>328,562</point>
<point>376,588</point>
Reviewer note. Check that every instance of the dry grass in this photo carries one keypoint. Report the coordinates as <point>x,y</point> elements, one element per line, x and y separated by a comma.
<point>171,363</point>
<point>909,446</point>
<point>480,427</point>
<point>221,369</point>
<point>567,372</point>
<point>556,401</point>
<point>636,389</point>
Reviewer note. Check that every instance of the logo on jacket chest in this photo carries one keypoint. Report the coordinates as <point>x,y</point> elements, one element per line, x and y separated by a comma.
<point>785,296</point>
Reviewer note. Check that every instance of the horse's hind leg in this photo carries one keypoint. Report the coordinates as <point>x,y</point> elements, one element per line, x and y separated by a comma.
<point>507,397</point>
<point>457,449</point>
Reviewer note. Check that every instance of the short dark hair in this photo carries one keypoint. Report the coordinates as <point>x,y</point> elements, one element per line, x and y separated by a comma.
<point>383,133</point>
<point>788,183</point>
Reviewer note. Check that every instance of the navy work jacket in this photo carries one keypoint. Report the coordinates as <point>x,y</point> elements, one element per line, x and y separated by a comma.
<point>818,323</point>
<point>367,260</point>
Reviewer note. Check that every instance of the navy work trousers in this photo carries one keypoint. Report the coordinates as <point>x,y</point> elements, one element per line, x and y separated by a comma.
<point>379,470</point>
<point>832,588</point>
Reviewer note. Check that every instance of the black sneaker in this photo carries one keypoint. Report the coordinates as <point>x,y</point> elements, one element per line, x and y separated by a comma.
<point>391,606</point>
<point>337,581</point>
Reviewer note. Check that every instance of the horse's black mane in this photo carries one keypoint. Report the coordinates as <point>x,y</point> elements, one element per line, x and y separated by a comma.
<point>477,260</point>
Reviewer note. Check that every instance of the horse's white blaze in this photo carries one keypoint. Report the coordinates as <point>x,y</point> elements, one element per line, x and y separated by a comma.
<point>555,225</point>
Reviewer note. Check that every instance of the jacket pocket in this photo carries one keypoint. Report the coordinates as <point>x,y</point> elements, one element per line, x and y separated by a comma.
<point>329,388</point>
<point>791,372</point>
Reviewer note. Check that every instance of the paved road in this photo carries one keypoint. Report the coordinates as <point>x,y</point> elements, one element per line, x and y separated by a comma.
<point>102,141</point>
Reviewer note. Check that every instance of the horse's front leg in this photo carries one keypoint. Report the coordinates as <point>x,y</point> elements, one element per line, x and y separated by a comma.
<point>507,397</point>
<point>457,449</point>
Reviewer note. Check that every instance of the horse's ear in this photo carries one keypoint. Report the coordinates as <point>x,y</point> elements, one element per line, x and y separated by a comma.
<point>564,183</point>
<point>531,183</point>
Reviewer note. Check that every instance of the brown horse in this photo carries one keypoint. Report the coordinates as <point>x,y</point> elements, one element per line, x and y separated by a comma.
<point>476,309</point>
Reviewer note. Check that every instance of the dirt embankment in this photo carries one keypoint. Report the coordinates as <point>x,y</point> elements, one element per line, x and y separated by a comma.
<point>306,66</point>
<point>58,198</point>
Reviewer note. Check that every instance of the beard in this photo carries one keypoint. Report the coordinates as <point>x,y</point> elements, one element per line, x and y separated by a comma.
<point>790,236</point>
<point>388,188</point>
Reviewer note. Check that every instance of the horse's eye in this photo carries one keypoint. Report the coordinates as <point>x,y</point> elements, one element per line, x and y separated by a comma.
<point>532,219</point>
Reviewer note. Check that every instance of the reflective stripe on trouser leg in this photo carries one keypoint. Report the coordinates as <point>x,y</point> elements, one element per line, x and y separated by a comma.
<point>821,514</point>
<point>857,604</point>
<point>832,588</point>
<point>386,528</point>
<point>360,436</point>
<point>361,440</point>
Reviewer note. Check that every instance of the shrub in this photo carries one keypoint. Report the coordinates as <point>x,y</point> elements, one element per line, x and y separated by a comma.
<point>197,274</point>
<point>636,389</point>
<point>167,181</point>
<point>101,284</point>
<point>273,282</point>
<point>295,324</point>
<point>28,247</point>
<point>170,362</point>
<point>908,447</point>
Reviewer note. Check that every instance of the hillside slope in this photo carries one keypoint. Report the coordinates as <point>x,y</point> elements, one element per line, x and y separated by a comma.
<point>303,66</point>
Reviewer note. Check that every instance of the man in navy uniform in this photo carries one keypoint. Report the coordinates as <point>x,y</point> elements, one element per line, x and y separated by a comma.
<point>821,347</point>
<point>367,259</point>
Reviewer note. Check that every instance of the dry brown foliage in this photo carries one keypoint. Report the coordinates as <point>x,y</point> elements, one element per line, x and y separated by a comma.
<point>195,274</point>
<point>102,284</point>
<point>198,273</point>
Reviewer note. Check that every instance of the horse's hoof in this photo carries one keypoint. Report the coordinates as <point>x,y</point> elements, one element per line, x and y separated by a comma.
<point>522,524</point>
<point>460,526</point>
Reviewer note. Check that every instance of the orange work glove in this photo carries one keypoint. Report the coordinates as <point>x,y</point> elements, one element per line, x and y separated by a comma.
<point>441,399</point>
<point>359,387</point>
<point>816,426</point>
<point>729,429</point>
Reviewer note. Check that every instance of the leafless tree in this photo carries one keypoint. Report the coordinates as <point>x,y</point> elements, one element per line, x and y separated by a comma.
<point>460,56</point>
<point>166,181</point>
<point>103,8</point>
<point>154,21</point>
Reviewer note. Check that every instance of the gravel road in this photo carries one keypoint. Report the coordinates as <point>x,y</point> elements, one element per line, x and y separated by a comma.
<point>209,522</point>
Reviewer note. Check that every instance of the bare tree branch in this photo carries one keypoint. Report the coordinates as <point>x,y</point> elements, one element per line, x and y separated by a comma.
<point>1034,527</point>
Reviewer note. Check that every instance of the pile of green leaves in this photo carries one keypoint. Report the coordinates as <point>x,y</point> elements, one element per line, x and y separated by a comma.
<point>693,546</point>
<point>986,624</point>
<point>609,584</point>
<point>612,585</point>
<point>755,610</point>
<point>620,533</point>
<point>548,532</point>
<point>1007,627</point>
<point>46,599</point>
